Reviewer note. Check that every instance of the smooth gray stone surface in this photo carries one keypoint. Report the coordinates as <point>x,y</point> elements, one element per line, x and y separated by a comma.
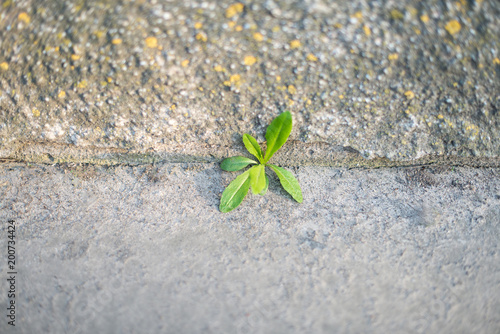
<point>145,250</point>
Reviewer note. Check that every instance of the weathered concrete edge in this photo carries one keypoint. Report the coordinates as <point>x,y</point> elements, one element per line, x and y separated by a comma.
<point>294,153</point>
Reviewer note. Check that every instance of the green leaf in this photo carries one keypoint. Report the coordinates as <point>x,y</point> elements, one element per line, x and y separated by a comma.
<point>263,192</point>
<point>257,178</point>
<point>277,133</point>
<point>235,192</point>
<point>252,146</point>
<point>236,163</point>
<point>289,182</point>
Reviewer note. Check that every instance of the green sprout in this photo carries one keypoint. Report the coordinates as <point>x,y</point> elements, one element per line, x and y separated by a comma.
<point>276,135</point>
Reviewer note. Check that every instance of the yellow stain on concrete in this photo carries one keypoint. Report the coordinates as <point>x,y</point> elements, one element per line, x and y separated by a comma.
<point>151,42</point>
<point>4,66</point>
<point>82,84</point>
<point>258,37</point>
<point>201,36</point>
<point>116,41</point>
<point>358,15</point>
<point>24,17</point>
<point>185,63</point>
<point>234,9</point>
<point>249,60</point>
<point>99,33</point>
<point>367,30</point>
<point>409,94</point>
<point>393,56</point>
<point>235,78</point>
<point>295,44</point>
<point>311,57</point>
<point>453,27</point>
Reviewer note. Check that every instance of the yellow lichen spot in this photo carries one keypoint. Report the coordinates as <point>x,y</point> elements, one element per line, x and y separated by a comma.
<point>291,89</point>
<point>36,112</point>
<point>357,15</point>
<point>258,37</point>
<point>218,68</point>
<point>227,83</point>
<point>201,36</point>
<point>238,28</point>
<point>341,97</point>
<point>234,9</point>
<point>417,31</point>
<point>231,24</point>
<point>173,106</point>
<point>409,94</point>
<point>104,83</point>
<point>496,61</point>
<point>24,17</point>
<point>61,95</point>
<point>200,89</point>
<point>249,60</point>
<point>397,15</point>
<point>340,70</point>
<point>453,27</point>
<point>424,18</point>
<point>308,102</point>
<point>367,30</point>
<point>98,33</point>
<point>311,57</point>
<point>337,25</point>
<point>278,78</point>
<point>151,42</point>
<point>295,44</point>
<point>109,79</point>
<point>455,84</point>
<point>235,78</point>
<point>185,63</point>
<point>276,29</point>
<point>82,84</point>
<point>440,116</point>
<point>198,25</point>
<point>393,56</point>
<point>116,41</point>
<point>75,57</point>
<point>4,66</point>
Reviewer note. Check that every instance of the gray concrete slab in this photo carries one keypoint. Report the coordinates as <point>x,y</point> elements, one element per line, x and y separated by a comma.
<point>145,250</point>
<point>400,80</point>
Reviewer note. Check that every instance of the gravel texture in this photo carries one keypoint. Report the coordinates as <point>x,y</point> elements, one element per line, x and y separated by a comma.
<point>145,250</point>
<point>400,80</point>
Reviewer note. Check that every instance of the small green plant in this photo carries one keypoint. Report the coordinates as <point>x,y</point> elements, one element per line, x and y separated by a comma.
<point>276,135</point>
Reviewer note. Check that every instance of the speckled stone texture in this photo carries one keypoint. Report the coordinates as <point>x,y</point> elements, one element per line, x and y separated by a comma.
<point>400,80</point>
<point>145,250</point>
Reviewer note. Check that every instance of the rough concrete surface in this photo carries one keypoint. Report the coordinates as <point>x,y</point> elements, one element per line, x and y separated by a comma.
<point>115,115</point>
<point>145,250</point>
<point>401,80</point>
